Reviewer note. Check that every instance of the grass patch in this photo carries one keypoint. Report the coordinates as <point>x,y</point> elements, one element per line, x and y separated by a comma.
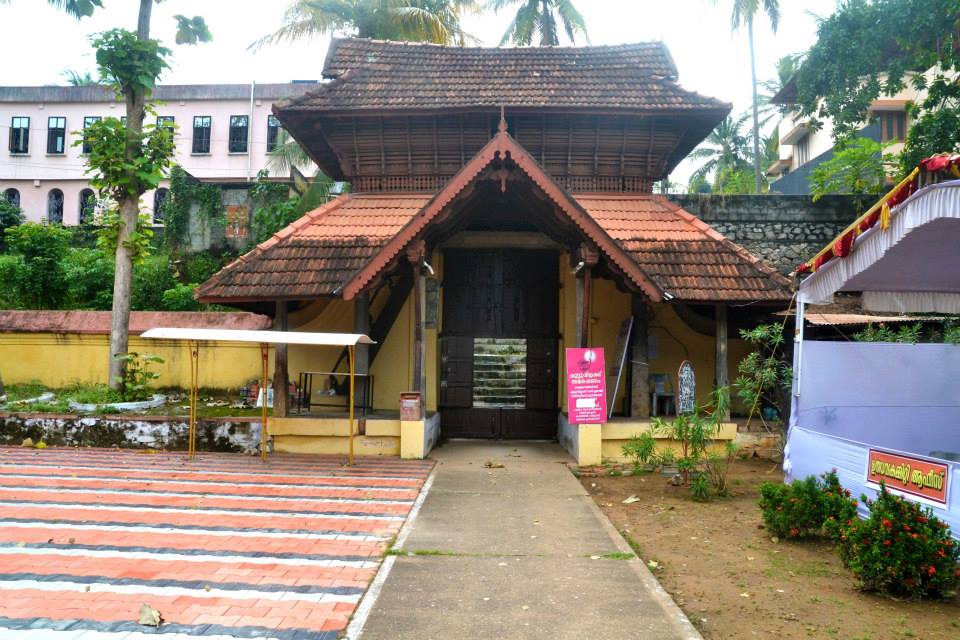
<point>781,566</point>
<point>637,549</point>
<point>616,555</point>
<point>25,391</point>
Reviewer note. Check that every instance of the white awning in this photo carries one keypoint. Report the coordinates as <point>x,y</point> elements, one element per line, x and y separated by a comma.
<point>909,267</point>
<point>261,337</point>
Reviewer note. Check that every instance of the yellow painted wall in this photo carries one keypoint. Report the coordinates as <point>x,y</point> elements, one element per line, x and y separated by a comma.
<point>676,341</point>
<point>58,360</point>
<point>616,434</point>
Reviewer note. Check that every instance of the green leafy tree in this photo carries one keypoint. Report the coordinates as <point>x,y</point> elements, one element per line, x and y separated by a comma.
<point>857,168</point>
<point>744,14</point>
<point>436,21</point>
<point>869,49</point>
<point>765,374</point>
<point>127,160</point>
<point>540,18</point>
<point>38,278</point>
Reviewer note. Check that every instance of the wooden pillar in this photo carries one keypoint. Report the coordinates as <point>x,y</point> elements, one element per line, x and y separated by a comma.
<point>722,379</point>
<point>281,374</point>
<point>588,259</point>
<point>639,358</point>
<point>415,255</point>
<point>361,324</point>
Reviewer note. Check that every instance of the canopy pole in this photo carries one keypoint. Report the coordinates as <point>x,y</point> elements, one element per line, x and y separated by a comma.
<point>352,352</point>
<point>194,394</point>
<point>265,362</point>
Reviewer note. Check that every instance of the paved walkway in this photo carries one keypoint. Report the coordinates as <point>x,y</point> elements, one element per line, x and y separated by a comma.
<point>515,552</point>
<point>223,546</point>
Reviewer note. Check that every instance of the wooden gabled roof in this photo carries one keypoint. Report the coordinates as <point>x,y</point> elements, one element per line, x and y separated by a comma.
<point>341,247</point>
<point>372,75</point>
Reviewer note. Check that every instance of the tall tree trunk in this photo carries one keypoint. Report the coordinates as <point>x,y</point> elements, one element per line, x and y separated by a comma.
<point>129,212</point>
<point>756,118</point>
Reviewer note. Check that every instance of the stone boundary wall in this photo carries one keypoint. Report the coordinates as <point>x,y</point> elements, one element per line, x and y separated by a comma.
<point>784,230</point>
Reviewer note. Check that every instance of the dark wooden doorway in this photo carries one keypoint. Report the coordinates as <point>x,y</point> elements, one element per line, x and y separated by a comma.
<point>498,351</point>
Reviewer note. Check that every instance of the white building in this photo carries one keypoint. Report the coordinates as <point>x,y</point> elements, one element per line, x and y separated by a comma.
<point>223,134</point>
<point>803,148</point>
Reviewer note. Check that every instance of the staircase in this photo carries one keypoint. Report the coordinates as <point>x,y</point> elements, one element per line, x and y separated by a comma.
<point>499,372</point>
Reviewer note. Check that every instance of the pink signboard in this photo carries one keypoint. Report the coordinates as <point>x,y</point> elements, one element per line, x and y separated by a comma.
<point>586,386</point>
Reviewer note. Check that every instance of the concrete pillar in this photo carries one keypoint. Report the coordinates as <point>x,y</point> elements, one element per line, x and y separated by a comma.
<point>722,378</point>
<point>281,375</point>
<point>639,358</point>
<point>416,255</point>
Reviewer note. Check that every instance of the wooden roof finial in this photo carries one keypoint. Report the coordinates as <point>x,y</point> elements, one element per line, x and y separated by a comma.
<point>502,127</point>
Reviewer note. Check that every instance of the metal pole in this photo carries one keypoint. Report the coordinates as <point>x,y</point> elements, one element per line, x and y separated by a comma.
<point>798,345</point>
<point>265,362</point>
<point>352,351</point>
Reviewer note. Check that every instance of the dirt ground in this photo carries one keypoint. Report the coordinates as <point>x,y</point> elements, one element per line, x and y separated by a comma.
<point>733,581</point>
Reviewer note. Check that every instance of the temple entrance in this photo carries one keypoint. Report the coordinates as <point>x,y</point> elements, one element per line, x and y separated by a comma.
<point>498,351</point>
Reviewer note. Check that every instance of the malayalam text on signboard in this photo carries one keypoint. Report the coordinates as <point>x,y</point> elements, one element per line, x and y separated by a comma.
<point>910,475</point>
<point>586,386</point>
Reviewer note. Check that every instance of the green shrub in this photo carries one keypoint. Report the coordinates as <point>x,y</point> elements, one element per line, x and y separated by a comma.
<point>8,272</point>
<point>901,549</point>
<point>180,298</point>
<point>641,449</point>
<point>135,383</point>
<point>89,274</point>
<point>10,216</point>
<point>839,508</point>
<point>150,280</point>
<point>200,266</point>
<point>38,280</point>
<point>794,510</point>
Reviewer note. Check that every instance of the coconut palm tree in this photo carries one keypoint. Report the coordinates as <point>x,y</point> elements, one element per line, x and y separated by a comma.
<point>726,149</point>
<point>436,21</point>
<point>540,17</point>
<point>80,79</point>
<point>743,15</point>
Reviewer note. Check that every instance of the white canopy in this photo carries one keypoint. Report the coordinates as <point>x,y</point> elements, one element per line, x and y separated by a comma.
<point>261,337</point>
<point>912,266</point>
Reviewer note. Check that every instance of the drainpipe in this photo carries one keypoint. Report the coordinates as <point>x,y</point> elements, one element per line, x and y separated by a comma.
<point>253,85</point>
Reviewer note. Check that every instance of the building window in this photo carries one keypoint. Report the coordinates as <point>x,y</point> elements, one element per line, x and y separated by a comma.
<point>20,134</point>
<point>55,207</point>
<point>201,134</point>
<point>239,126</point>
<point>12,196</point>
<point>166,122</point>
<point>88,206</point>
<point>87,121</point>
<point>159,199</point>
<point>56,135</point>
<point>803,151</point>
<point>273,132</point>
<point>892,125</point>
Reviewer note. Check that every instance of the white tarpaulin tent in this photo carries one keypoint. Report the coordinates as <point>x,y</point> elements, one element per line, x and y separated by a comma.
<point>264,339</point>
<point>864,408</point>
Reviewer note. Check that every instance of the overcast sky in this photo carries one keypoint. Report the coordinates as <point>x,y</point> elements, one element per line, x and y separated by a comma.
<point>39,43</point>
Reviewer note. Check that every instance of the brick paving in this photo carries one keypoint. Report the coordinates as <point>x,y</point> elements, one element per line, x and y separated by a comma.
<point>223,546</point>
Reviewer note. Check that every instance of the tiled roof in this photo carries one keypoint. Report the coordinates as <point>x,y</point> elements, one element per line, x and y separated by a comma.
<point>684,255</point>
<point>372,75</point>
<point>322,252</point>
<point>98,322</point>
<point>317,254</point>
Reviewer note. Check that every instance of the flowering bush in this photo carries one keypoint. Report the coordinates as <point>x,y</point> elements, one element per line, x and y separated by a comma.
<point>901,549</point>
<point>792,511</point>
<point>839,508</point>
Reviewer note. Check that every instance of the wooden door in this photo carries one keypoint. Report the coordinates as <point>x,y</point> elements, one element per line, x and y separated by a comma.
<point>499,294</point>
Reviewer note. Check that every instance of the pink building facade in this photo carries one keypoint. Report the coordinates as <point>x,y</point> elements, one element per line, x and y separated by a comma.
<point>223,135</point>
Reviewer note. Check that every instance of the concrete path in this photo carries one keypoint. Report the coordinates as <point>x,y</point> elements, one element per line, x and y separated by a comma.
<point>506,553</point>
